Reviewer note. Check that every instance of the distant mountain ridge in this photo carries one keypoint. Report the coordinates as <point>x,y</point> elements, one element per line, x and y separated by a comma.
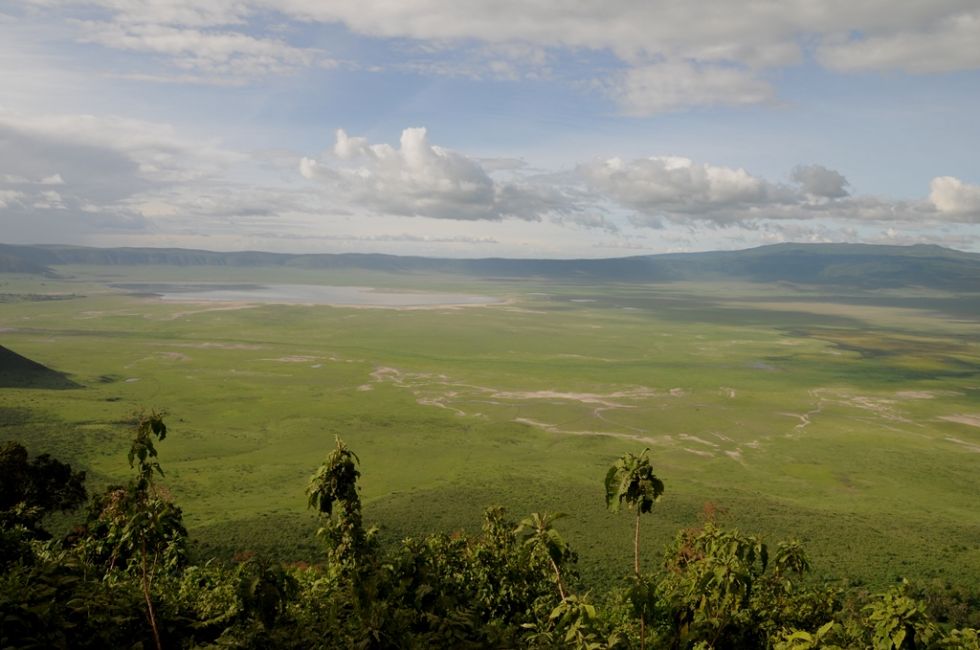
<point>856,265</point>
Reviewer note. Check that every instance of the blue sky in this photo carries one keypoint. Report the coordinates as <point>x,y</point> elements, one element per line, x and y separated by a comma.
<point>467,128</point>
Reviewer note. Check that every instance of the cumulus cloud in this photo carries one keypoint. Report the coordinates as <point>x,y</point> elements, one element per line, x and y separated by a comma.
<point>955,199</point>
<point>308,168</point>
<point>422,179</point>
<point>676,85</point>
<point>682,191</point>
<point>669,185</point>
<point>347,148</point>
<point>9,197</point>
<point>818,181</point>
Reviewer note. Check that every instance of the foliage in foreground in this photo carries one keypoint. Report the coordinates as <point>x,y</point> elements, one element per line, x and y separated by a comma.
<point>122,579</point>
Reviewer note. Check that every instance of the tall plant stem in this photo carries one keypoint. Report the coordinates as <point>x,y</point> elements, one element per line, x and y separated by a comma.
<point>149,601</point>
<point>561,589</point>
<point>636,570</point>
<point>636,545</point>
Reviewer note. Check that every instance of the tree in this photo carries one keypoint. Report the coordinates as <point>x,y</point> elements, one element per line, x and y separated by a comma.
<point>136,527</point>
<point>31,489</point>
<point>899,622</point>
<point>631,481</point>
<point>711,577</point>
<point>332,491</point>
<point>541,537</point>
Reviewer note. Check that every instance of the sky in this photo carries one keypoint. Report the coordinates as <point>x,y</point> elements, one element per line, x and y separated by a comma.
<point>475,128</point>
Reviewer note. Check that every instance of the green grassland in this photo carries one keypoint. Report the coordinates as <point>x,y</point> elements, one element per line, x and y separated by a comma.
<point>848,419</point>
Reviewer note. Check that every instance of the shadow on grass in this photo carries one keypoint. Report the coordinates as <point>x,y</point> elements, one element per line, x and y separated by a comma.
<point>17,371</point>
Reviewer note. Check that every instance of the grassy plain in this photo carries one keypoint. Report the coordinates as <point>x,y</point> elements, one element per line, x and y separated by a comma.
<point>848,419</point>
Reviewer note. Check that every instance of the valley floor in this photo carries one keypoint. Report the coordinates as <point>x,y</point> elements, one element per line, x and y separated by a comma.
<point>850,420</point>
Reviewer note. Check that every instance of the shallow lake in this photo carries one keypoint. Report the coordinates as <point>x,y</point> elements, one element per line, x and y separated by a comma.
<point>301,294</point>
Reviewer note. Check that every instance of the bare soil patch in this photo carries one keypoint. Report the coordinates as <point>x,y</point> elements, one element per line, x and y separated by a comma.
<point>969,420</point>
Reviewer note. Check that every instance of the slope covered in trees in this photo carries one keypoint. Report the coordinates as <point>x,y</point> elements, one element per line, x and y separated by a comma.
<point>122,579</point>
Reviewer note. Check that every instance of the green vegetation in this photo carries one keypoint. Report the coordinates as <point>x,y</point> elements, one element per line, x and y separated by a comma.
<point>716,589</point>
<point>18,372</point>
<point>845,418</point>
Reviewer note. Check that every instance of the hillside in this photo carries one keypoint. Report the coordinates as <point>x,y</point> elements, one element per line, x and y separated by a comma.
<point>853,265</point>
<point>17,371</point>
<point>18,263</point>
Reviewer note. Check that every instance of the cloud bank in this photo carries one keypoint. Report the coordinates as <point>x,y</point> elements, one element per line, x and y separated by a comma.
<point>672,55</point>
<point>82,176</point>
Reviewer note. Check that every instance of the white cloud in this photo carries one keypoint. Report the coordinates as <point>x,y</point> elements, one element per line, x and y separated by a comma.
<point>948,45</point>
<point>422,179</point>
<point>347,148</point>
<point>717,30</point>
<point>668,185</point>
<point>589,220</point>
<point>955,199</point>
<point>939,34</point>
<point>53,179</point>
<point>213,52</point>
<point>193,13</point>
<point>675,54</point>
<point>682,191</point>
<point>755,33</point>
<point>676,85</point>
<point>679,53</point>
<point>9,197</point>
<point>820,182</point>
<point>49,200</point>
<point>107,166</point>
<point>15,179</point>
<point>85,146</point>
<point>308,168</point>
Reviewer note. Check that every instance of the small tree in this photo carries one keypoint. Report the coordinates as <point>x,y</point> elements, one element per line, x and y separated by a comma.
<point>137,527</point>
<point>332,491</point>
<point>31,489</point>
<point>711,575</point>
<point>899,622</point>
<point>35,488</point>
<point>540,536</point>
<point>631,481</point>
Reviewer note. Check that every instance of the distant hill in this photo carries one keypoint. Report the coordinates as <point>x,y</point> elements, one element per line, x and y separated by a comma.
<point>17,371</point>
<point>853,265</point>
<point>14,263</point>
